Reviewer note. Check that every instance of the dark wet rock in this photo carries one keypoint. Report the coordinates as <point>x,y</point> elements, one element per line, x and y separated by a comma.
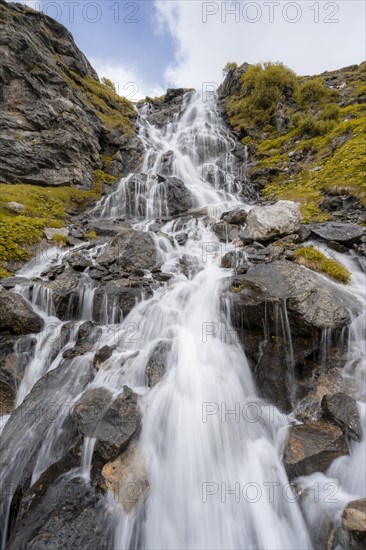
<point>102,355</point>
<point>354,521</point>
<point>65,294</point>
<point>312,447</point>
<point>181,238</point>
<point>342,409</point>
<point>236,259</point>
<point>313,300</point>
<point>114,300</point>
<point>10,378</point>
<point>17,316</point>
<point>106,228</point>
<point>78,262</point>
<point>304,232</point>
<point>178,196</point>
<point>280,311</point>
<point>11,282</point>
<point>61,513</point>
<point>235,217</point>
<point>162,110</point>
<point>166,165</point>
<point>131,250</point>
<point>157,363</point>
<point>346,234</point>
<point>265,223</point>
<point>112,422</point>
<point>50,399</point>
<point>225,232</point>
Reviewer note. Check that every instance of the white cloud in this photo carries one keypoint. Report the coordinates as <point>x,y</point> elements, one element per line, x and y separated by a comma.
<point>203,48</point>
<point>127,79</point>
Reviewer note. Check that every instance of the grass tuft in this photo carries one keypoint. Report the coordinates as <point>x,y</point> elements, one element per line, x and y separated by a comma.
<point>317,261</point>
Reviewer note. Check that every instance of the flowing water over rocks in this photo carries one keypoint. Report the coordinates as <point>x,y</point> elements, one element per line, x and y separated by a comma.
<point>144,397</point>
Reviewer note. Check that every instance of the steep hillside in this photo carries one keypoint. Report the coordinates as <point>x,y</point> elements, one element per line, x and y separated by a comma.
<point>306,135</point>
<point>63,132</point>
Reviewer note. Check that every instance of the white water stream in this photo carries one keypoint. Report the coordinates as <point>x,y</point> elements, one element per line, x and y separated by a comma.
<point>214,469</point>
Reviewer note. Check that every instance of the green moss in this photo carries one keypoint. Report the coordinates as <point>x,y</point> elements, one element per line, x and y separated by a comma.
<point>44,207</point>
<point>90,235</point>
<point>61,240</point>
<point>317,261</point>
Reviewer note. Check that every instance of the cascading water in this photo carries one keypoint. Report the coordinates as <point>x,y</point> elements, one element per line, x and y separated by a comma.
<point>214,470</point>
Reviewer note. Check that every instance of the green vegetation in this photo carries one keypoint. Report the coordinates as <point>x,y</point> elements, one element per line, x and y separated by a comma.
<point>114,111</point>
<point>317,261</point>
<point>61,240</point>
<point>90,235</point>
<point>319,147</point>
<point>107,82</point>
<point>44,207</point>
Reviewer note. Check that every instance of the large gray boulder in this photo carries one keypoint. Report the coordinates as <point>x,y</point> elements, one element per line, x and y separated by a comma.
<point>280,311</point>
<point>342,233</point>
<point>131,250</point>
<point>17,316</point>
<point>265,223</point>
<point>112,421</point>
<point>178,196</point>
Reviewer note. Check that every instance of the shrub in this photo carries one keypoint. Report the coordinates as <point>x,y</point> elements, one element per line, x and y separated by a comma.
<point>317,261</point>
<point>230,66</point>
<point>107,82</point>
<point>309,126</point>
<point>314,92</point>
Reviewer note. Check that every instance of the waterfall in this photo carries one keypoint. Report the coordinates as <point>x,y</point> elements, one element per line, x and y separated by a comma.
<point>215,473</point>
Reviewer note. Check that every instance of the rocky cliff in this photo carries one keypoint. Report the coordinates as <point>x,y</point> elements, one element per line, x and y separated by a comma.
<point>58,119</point>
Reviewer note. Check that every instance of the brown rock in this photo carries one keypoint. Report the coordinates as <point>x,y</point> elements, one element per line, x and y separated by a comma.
<point>127,478</point>
<point>354,521</point>
<point>312,447</point>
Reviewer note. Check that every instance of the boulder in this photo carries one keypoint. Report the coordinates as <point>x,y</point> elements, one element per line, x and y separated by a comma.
<point>346,234</point>
<point>354,521</point>
<point>236,259</point>
<point>312,447</point>
<point>16,207</point>
<point>265,223</point>
<point>178,196</point>
<point>17,316</point>
<point>126,476</point>
<point>342,409</point>
<point>224,231</point>
<point>235,217</point>
<point>102,355</point>
<point>280,311</point>
<point>65,294</point>
<point>112,421</point>
<point>157,363</point>
<point>131,250</point>
<point>114,300</point>
<point>61,512</point>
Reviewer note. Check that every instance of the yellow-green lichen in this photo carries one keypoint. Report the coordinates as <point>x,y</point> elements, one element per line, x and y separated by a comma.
<point>317,261</point>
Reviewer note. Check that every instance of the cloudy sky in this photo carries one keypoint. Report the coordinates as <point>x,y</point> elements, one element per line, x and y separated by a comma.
<point>146,46</point>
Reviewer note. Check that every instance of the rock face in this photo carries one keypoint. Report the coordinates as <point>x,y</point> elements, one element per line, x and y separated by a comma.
<point>131,250</point>
<point>45,104</point>
<point>342,409</point>
<point>312,447</point>
<point>280,311</point>
<point>178,197</point>
<point>113,301</point>
<point>264,223</point>
<point>112,422</point>
<point>157,363</point>
<point>17,316</point>
<point>354,521</point>
<point>342,233</point>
